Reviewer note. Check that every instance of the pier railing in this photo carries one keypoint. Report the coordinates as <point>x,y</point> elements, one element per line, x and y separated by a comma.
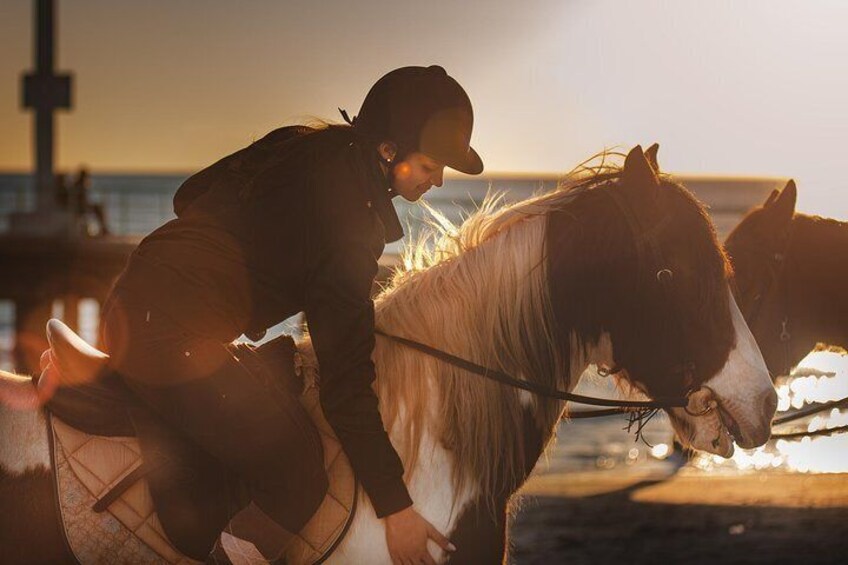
<point>137,204</point>
<point>133,204</point>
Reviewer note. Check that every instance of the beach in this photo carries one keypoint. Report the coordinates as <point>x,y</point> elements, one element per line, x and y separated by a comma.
<point>599,496</point>
<point>683,517</point>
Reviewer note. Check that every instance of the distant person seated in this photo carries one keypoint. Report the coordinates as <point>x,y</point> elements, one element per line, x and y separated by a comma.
<point>77,201</point>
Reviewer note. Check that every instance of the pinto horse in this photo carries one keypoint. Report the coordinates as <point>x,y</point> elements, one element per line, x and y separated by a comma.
<point>790,279</point>
<point>618,268</point>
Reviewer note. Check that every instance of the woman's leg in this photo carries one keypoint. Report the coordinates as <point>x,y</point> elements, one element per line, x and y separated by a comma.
<point>196,385</point>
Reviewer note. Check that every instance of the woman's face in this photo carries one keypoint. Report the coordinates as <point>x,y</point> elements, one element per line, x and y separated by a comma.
<point>415,175</point>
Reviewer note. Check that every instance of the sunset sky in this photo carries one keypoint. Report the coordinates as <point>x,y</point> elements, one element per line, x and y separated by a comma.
<point>726,87</point>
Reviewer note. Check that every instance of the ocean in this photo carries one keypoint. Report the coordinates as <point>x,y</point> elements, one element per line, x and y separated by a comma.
<point>136,204</point>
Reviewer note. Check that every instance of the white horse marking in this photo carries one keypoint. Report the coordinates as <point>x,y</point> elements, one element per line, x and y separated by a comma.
<point>745,394</point>
<point>23,441</point>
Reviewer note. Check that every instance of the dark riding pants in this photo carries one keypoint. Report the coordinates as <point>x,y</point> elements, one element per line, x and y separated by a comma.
<point>253,425</point>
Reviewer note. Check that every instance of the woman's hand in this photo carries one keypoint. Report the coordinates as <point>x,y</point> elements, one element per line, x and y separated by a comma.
<point>407,534</point>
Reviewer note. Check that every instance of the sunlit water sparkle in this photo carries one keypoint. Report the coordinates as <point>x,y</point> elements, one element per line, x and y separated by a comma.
<point>603,445</point>
<point>820,377</point>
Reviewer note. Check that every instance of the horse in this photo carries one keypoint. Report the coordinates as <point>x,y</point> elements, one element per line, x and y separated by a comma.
<point>618,268</point>
<point>790,271</point>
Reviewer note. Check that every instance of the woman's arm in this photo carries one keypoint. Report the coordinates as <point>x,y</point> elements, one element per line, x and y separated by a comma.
<point>340,317</point>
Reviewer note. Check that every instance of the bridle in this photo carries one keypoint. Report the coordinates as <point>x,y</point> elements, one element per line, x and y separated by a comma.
<point>641,411</point>
<point>645,239</point>
<point>776,266</point>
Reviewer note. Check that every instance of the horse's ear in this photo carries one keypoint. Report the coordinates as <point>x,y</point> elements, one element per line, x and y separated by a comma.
<point>638,172</point>
<point>782,208</point>
<point>771,198</point>
<point>651,156</point>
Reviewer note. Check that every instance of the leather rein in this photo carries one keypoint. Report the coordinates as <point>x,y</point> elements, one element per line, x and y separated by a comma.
<point>535,388</point>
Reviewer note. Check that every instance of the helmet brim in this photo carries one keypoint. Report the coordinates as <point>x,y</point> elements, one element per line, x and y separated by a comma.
<point>470,163</point>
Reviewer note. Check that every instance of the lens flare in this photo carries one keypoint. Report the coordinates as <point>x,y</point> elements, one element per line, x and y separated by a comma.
<point>402,171</point>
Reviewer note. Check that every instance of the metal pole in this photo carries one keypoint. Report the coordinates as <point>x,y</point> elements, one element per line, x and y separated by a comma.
<point>44,122</point>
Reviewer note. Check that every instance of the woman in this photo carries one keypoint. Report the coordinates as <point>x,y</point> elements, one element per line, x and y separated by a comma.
<point>294,222</point>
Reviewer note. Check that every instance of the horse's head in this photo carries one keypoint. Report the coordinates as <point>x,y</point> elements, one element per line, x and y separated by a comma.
<point>758,247</point>
<point>636,259</point>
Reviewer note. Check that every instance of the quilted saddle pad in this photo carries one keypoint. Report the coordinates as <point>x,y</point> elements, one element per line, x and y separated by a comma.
<point>88,467</point>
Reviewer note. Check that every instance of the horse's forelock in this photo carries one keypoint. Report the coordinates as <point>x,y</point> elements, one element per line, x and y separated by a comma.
<point>600,283</point>
<point>693,315</point>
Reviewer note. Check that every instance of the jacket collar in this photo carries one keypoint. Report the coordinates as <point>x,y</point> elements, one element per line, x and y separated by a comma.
<point>381,199</point>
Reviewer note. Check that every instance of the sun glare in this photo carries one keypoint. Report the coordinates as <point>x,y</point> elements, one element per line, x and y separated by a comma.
<point>822,376</point>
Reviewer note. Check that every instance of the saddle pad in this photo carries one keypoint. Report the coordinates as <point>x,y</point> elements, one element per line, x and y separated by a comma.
<point>88,466</point>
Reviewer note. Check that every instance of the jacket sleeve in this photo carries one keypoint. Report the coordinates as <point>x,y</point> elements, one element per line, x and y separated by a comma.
<point>340,316</point>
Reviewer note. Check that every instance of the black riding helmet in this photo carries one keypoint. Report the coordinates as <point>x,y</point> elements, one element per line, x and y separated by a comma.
<point>421,109</point>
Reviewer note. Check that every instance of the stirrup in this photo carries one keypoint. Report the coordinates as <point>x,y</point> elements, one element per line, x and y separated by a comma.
<point>77,361</point>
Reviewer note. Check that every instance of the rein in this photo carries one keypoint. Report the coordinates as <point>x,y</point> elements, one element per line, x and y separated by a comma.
<point>535,388</point>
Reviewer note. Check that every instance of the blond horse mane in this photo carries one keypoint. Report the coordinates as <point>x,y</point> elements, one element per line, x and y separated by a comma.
<point>478,291</point>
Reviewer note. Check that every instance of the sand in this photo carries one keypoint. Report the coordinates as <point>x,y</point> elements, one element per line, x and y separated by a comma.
<point>601,517</point>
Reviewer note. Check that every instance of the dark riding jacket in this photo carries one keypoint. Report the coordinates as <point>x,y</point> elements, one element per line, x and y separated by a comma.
<point>294,222</point>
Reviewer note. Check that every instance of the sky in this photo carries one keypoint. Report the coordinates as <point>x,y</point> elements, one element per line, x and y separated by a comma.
<point>751,88</point>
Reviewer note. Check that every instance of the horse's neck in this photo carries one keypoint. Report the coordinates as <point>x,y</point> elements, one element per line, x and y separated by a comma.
<point>818,268</point>
<point>489,305</point>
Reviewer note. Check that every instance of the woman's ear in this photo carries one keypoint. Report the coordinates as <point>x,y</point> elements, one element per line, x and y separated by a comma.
<point>388,151</point>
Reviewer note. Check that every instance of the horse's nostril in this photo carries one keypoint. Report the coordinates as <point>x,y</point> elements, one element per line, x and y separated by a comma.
<point>769,404</point>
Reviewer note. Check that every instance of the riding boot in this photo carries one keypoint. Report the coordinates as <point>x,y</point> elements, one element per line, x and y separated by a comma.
<point>259,537</point>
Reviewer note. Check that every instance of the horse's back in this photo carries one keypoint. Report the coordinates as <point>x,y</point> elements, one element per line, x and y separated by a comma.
<point>29,524</point>
<point>23,441</point>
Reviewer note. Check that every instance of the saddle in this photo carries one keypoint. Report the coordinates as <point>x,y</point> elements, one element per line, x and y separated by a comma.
<point>117,466</point>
